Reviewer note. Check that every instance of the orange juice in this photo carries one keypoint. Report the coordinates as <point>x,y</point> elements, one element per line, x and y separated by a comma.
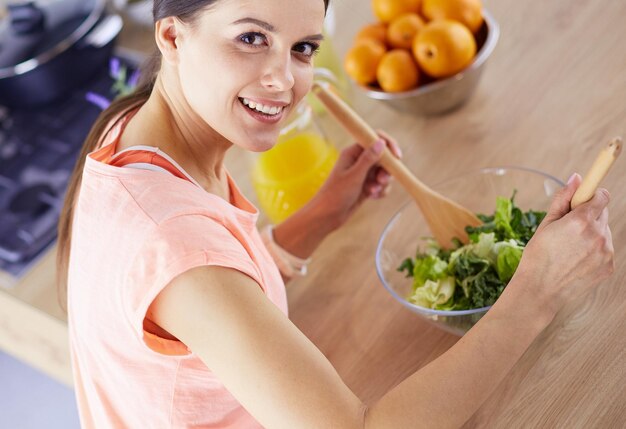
<point>287,176</point>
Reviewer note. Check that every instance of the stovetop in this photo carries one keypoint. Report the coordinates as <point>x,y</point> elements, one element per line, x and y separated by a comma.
<point>38,150</point>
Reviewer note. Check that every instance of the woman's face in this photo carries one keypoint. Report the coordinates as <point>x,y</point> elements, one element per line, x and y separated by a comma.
<point>246,64</point>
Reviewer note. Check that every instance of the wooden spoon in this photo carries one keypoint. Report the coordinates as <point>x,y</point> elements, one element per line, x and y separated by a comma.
<point>597,172</point>
<point>446,219</point>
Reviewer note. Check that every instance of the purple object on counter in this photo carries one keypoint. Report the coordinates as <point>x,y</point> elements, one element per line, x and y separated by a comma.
<point>114,68</point>
<point>98,100</point>
<point>133,80</point>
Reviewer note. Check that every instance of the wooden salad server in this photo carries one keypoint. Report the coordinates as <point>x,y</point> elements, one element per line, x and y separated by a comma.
<point>597,172</point>
<point>446,219</point>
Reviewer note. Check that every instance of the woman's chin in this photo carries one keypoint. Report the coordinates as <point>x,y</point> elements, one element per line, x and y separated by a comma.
<point>263,147</point>
<point>260,145</point>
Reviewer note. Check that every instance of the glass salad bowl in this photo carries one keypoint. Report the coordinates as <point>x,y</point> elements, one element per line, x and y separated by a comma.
<point>477,190</point>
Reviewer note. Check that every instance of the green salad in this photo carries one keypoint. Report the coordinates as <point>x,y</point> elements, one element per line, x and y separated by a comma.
<point>472,275</point>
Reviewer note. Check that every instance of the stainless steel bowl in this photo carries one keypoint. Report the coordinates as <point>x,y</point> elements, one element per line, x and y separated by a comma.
<point>444,95</point>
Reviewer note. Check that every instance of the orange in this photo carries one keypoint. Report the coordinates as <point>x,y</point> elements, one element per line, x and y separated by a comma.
<point>443,48</point>
<point>467,12</point>
<point>397,71</point>
<point>387,10</point>
<point>403,29</point>
<point>376,31</point>
<point>362,60</point>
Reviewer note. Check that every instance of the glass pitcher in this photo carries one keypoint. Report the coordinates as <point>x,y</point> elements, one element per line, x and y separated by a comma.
<point>287,176</point>
<point>328,65</point>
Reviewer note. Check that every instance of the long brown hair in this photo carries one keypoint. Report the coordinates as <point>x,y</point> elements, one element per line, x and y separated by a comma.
<point>187,11</point>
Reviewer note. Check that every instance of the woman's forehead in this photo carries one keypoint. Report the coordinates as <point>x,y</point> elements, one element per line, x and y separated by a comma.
<point>283,15</point>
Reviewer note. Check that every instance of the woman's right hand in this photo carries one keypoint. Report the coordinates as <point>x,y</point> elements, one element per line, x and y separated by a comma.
<point>572,250</point>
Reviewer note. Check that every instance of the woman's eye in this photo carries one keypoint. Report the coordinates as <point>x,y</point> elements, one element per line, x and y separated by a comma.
<point>254,39</point>
<point>306,49</point>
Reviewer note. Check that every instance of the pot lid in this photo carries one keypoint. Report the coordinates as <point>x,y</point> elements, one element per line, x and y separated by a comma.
<point>34,32</point>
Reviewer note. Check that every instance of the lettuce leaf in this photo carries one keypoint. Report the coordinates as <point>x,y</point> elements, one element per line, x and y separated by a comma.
<point>473,267</point>
<point>473,275</point>
<point>508,222</point>
<point>503,218</point>
<point>429,267</point>
<point>507,261</point>
<point>433,294</point>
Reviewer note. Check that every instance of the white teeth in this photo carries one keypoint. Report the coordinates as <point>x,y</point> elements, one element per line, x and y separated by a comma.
<point>268,110</point>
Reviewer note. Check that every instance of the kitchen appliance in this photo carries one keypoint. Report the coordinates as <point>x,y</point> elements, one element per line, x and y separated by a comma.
<point>38,150</point>
<point>48,47</point>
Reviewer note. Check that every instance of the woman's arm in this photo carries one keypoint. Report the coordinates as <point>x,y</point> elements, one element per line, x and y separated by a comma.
<point>303,231</point>
<point>449,390</point>
<point>283,380</point>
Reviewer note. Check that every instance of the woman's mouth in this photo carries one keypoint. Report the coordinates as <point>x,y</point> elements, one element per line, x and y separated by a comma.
<point>267,110</point>
<point>264,113</point>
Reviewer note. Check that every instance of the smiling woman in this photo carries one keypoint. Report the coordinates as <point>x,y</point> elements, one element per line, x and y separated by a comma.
<point>177,307</point>
<point>213,55</point>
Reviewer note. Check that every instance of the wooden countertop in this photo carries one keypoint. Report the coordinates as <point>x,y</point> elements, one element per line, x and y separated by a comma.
<point>552,94</point>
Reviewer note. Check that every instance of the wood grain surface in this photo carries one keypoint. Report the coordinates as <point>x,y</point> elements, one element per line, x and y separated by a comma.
<point>552,94</point>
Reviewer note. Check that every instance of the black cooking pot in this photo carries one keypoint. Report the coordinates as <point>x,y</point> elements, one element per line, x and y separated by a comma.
<point>49,47</point>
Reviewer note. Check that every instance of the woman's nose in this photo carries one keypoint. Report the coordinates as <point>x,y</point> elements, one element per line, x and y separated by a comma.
<point>278,75</point>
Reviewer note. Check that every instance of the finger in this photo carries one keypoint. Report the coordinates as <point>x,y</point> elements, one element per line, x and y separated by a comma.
<point>382,176</point>
<point>367,159</point>
<point>597,204</point>
<point>374,189</point>
<point>561,201</point>
<point>371,176</point>
<point>393,145</point>
<point>603,219</point>
<point>373,185</point>
<point>379,193</point>
<point>349,156</point>
<point>609,241</point>
<point>609,251</point>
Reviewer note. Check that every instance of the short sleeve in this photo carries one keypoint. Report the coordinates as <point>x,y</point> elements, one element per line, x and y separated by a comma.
<point>176,246</point>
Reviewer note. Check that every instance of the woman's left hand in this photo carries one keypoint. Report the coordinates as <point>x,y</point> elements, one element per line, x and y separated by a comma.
<point>355,177</point>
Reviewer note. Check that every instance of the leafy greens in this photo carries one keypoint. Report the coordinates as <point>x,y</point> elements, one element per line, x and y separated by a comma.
<point>473,275</point>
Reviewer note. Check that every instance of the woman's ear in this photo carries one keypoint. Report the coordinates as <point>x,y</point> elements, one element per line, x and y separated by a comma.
<point>167,31</point>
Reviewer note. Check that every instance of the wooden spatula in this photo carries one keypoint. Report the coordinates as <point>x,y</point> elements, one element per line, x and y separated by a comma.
<point>596,173</point>
<point>445,218</point>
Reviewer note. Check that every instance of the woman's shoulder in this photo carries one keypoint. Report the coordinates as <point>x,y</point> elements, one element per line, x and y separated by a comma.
<point>164,197</point>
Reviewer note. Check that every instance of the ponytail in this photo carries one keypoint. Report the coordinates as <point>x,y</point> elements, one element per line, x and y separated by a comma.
<point>118,109</point>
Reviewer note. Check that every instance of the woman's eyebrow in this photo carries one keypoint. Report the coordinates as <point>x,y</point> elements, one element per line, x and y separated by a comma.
<point>262,24</point>
<point>315,37</point>
<point>269,27</point>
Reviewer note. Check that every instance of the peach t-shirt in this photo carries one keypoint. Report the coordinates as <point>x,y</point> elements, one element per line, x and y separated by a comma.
<point>135,230</point>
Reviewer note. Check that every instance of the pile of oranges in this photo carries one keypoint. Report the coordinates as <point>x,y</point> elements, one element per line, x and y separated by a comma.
<point>414,38</point>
